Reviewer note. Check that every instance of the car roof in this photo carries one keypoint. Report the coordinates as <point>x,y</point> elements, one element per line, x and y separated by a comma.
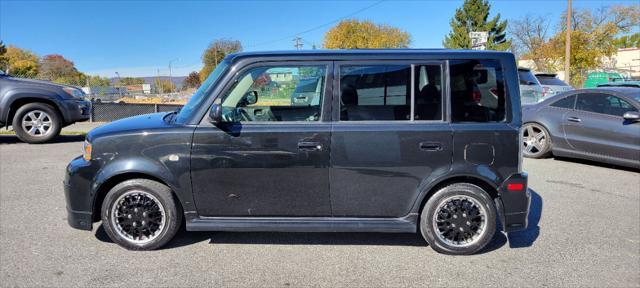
<point>346,54</point>
<point>626,92</point>
<point>546,75</point>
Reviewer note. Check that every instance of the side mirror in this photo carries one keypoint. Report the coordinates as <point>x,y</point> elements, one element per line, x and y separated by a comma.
<point>631,116</point>
<point>251,97</point>
<point>215,114</point>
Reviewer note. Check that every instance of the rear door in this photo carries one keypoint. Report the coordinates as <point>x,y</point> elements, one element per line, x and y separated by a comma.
<point>384,150</point>
<point>597,127</point>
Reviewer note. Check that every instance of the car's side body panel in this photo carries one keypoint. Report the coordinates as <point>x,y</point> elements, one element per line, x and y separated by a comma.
<point>371,177</point>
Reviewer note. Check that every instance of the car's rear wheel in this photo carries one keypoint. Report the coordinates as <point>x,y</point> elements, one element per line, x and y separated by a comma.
<point>536,141</point>
<point>36,123</point>
<point>141,214</point>
<point>458,219</point>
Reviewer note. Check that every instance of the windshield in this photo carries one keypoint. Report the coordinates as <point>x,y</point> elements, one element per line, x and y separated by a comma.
<point>200,96</point>
<point>551,81</point>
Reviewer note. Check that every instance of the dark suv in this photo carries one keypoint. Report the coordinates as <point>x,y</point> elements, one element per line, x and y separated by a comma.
<point>398,141</point>
<point>37,110</point>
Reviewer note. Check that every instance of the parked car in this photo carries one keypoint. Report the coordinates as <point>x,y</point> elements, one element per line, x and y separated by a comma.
<point>393,149</point>
<point>530,89</point>
<point>551,85</point>
<point>595,124</point>
<point>632,84</point>
<point>37,110</point>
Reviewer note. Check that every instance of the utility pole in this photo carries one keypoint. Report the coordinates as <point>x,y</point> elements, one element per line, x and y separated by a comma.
<point>567,47</point>
<point>119,84</point>
<point>298,42</point>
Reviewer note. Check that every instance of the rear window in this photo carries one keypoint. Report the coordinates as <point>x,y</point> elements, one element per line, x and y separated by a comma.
<point>527,78</point>
<point>477,91</point>
<point>546,80</point>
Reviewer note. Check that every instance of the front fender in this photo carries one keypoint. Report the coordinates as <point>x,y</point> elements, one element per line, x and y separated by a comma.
<point>24,93</point>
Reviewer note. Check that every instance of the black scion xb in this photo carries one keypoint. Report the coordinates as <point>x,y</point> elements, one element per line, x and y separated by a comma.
<point>398,141</point>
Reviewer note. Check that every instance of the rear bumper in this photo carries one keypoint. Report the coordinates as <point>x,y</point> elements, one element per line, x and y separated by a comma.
<point>513,204</point>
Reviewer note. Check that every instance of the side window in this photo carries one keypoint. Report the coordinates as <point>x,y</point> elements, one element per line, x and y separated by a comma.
<point>477,91</point>
<point>428,92</point>
<point>375,92</point>
<point>567,102</point>
<point>285,93</point>
<point>603,104</point>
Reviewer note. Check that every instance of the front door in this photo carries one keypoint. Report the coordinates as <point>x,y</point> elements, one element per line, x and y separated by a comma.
<point>383,148</point>
<point>597,127</point>
<point>271,157</point>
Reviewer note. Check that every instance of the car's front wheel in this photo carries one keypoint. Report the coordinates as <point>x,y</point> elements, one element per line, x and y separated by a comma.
<point>36,123</point>
<point>458,219</point>
<point>141,214</point>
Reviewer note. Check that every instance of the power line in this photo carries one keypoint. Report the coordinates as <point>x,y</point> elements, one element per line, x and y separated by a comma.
<point>319,26</point>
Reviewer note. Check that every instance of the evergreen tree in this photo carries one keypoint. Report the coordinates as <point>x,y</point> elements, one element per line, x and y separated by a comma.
<point>472,17</point>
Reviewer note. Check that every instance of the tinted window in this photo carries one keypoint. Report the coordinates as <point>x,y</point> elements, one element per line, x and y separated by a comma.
<point>567,102</point>
<point>527,78</point>
<point>378,92</point>
<point>276,94</point>
<point>477,91</point>
<point>428,92</point>
<point>545,80</point>
<point>603,104</point>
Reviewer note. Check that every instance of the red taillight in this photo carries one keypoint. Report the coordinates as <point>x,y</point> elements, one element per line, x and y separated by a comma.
<point>515,186</point>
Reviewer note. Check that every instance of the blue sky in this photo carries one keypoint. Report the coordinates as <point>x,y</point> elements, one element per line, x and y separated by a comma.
<point>138,38</point>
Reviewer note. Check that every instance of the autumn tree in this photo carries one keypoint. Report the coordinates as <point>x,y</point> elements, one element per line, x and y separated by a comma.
<point>97,81</point>
<point>164,86</point>
<point>3,50</point>
<point>58,69</point>
<point>192,81</point>
<point>530,36</point>
<point>354,34</point>
<point>215,53</point>
<point>20,62</point>
<point>593,39</point>
<point>473,16</point>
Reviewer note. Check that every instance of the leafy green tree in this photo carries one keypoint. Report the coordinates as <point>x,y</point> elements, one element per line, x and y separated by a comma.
<point>192,81</point>
<point>628,41</point>
<point>217,50</point>
<point>354,34</point>
<point>473,17</point>
<point>97,81</point>
<point>164,86</point>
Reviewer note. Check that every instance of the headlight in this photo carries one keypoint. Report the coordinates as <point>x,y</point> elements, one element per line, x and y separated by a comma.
<point>87,151</point>
<point>75,93</point>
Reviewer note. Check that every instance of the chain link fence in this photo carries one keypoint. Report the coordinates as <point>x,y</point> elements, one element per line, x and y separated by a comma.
<point>106,112</point>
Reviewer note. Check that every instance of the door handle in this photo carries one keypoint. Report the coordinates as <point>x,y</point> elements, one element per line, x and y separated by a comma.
<point>574,119</point>
<point>309,146</point>
<point>430,146</point>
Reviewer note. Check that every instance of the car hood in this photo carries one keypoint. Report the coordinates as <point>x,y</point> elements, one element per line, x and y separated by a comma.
<point>135,124</point>
<point>37,83</point>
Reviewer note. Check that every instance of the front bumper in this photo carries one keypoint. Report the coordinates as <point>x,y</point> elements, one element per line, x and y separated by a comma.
<point>513,205</point>
<point>77,111</point>
<point>78,193</point>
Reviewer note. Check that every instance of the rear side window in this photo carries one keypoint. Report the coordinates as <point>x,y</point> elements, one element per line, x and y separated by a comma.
<point>375,92</point>
<point>567,102</point>
<point>477,91</point>
<point>545,80</point>
<point>527,78</point>
<point>603,104</point>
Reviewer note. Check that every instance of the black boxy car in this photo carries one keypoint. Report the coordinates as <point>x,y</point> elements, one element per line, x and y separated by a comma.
<point>399,141</point>
<point>37,110</point>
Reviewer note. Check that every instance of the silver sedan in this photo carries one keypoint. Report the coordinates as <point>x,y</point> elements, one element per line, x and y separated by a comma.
<point>594,124</point>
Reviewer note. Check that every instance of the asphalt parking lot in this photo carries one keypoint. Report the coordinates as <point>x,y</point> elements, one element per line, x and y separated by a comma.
<point>584,231</point>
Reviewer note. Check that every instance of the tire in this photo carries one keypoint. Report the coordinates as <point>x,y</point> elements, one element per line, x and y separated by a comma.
<point>116,207</point>
<point>531,147</point>
<point>432,222</point>
<point>37,123</point>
